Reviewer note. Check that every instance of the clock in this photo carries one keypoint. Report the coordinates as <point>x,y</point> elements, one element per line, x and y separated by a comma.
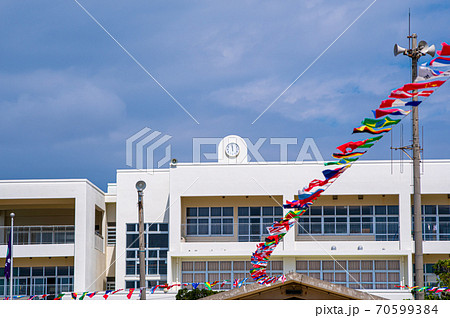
<point>232,149</point>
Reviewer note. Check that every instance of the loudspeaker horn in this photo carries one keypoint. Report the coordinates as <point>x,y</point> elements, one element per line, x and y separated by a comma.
<point>431,50</point>
<point>398,50</point>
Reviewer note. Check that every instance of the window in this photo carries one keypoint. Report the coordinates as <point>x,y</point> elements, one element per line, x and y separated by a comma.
<point>157,245</point>
<point>150,283</point>
<point>38,280</point>
<point>111,235</point>
<point>110,283</point>
<point>210,271</point>
<point>382,222</point>
<point>209,221</point>
<point>435,222</point>
<point>252,221</point>
<point>358,274</point>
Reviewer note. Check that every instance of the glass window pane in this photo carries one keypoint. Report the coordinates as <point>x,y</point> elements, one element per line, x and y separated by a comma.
<point>393,209</point>
<point>63,270</point>
<point>255,211</point>
<point>267,210</point>
<point>152,268</point>
<point>354,210</point>
<point>315,210</point>
<point>430,209</point>
<point>164,227</point>
<point>216,211</point>
<point>380,210</point>
<point>132,241</point>
<point>216,229</point>
<point>227,211</point>
<point>38,271</point>
<point>328,210</point>
<point>203,211</point>
<point>243,211</point>
<point>341,210</point>
<point>191,212</point>
<point>444,209</point>
<point>131,228</point>
<point>159,240</point>
<point>278,211</point>
<point>367,210</point>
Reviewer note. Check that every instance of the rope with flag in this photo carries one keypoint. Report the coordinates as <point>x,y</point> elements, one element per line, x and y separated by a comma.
<point>431,75</point>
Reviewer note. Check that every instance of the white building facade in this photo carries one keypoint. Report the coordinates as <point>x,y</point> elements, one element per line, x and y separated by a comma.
<point>203,221</point>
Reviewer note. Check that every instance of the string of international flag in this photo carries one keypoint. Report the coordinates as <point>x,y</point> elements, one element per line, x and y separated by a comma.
<point>431,75</point>
<point>237,283</point>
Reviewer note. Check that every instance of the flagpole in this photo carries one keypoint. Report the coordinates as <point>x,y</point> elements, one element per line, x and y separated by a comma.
<point>11,274</point>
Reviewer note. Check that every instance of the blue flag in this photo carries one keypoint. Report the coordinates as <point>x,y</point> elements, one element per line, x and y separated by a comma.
<point>8,260</point>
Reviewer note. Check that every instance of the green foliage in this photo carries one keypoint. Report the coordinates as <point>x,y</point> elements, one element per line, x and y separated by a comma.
<point>185,294</point>
<point>442,270</point>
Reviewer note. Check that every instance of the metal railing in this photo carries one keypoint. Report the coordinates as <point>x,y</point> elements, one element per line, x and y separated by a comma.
<point>45,234</point>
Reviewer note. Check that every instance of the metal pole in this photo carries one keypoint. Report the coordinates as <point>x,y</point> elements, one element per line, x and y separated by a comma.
<point>416,179</point>
<point>11,274</point>
<point>141,246</point>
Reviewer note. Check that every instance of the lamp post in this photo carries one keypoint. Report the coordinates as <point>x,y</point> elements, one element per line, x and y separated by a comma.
<point>415,52</point>
<point>140,186</point>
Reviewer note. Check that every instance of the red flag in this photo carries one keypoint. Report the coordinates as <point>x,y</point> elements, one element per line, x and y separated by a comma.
<point>398,93</point>
<point>130,293</point>
<point>352,145</point>
<point>413,86</point>
<point>445,49</point>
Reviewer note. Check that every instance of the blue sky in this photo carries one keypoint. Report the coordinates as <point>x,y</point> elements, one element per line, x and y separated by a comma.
<point>70,96</point>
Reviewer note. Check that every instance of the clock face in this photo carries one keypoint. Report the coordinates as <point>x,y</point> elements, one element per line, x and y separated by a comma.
<point>232,149</point>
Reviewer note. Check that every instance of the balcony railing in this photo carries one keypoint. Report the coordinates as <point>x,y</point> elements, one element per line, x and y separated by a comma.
<point>45,234</point>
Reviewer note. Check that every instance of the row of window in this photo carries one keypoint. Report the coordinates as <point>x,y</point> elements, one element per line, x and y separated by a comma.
<point>157,245</point>
<point>210,271</point>
<point>435,222</point>
<point>357,274</point>
<point>380,221</point>
<point>38,280</point>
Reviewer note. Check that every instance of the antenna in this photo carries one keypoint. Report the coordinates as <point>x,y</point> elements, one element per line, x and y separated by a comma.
<point>409,26</point>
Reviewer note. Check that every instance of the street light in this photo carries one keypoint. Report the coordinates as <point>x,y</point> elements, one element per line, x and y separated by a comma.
<point>415,52</point>
<point>140,186</point>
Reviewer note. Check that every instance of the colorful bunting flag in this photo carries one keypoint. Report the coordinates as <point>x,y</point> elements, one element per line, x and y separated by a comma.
<point>426,73</point>
<point>380,123</point>
<point>106,295</point>
<point>130,293</point>
<point>439,61</point>
<point>414,86</point>
<point>398,93</point>
<point>392,111</point>
<point>83,295</point>
<point>445,49</point>
<point>387,103</point>
<point>348,155</point>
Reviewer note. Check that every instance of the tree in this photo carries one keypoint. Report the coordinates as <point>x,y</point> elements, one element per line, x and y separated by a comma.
<point>442,270</point>
<point>185,294</point>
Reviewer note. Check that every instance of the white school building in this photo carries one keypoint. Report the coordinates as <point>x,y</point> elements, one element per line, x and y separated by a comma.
<point>204,220</point>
